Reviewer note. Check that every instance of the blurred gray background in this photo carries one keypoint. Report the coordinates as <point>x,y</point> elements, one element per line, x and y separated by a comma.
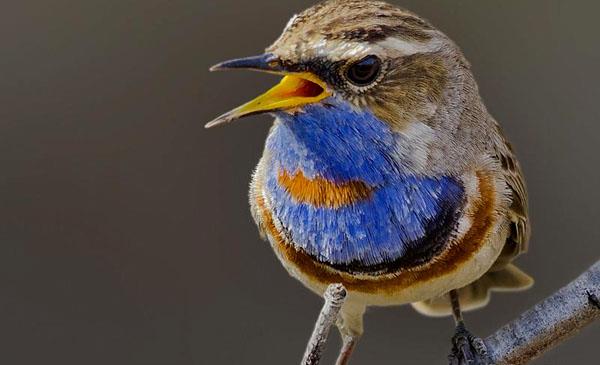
<point>125,236</point>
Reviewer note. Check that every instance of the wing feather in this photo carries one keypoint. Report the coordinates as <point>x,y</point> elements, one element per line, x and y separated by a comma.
<point>517,241</point>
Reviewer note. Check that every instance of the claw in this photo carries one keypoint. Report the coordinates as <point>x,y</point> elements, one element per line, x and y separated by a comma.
<point>479,346</point>
<point>467,349</point>
<point>453,360</point>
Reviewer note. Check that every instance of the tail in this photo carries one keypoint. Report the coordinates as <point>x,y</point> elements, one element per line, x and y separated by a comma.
<point>477,294</point>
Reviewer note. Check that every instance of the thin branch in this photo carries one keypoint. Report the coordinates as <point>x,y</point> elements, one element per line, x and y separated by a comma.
<point>536,331</point>
<point>335,295</point>
<point>548,323</point>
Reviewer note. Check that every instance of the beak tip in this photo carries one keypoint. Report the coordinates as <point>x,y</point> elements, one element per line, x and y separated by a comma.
<point>223,119</point>
<point>214,68</point>
<point>209,125</point>
<point>255,63</point>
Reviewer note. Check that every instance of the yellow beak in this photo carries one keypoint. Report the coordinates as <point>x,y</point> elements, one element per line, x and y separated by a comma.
<point>294,90</point>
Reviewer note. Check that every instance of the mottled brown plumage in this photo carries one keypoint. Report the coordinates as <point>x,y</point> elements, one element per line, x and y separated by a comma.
<point>428,80</point>
<point>416,83</point>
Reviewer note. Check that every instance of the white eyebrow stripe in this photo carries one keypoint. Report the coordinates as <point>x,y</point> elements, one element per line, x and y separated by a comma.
<point>343,50</point>
<point>409,48</point>
<point>339,49</point>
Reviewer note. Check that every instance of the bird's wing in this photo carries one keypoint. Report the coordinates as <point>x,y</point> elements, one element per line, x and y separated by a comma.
<point>518,238</point>
<point>503,275</point>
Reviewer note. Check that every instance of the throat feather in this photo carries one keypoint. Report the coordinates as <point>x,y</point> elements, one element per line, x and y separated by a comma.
<point>335,186</point>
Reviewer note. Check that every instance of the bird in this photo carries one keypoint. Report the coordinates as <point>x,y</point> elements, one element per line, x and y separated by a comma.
<point>383,170</point>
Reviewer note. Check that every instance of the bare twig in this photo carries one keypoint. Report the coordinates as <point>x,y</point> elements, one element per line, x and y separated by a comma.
<point>335,295</point>
<point>536,331</point>
<point>548,323</point>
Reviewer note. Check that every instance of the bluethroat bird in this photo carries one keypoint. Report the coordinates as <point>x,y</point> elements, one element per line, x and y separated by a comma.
<point>383,170</point>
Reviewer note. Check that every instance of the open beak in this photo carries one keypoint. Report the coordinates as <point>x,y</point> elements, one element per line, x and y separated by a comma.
<point>294,90</point>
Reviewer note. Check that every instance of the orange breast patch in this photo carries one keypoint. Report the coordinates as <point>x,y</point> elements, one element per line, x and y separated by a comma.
<point>320,192</point>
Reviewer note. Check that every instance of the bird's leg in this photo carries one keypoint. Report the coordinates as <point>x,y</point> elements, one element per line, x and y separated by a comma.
<point>349,342</point>
<point>350,324</point>
<point>466,348</point>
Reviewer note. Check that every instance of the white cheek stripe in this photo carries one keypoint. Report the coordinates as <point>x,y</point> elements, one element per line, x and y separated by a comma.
<point>413,146</point>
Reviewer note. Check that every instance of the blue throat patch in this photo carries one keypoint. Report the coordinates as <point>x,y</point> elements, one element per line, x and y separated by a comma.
<point>407,219</point>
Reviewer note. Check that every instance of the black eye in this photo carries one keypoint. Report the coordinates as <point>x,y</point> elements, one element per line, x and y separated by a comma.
<point>365,71</point>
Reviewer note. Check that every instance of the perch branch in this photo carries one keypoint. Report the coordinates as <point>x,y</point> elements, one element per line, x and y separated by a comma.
<point>548,323</point>
<point>335,295</point>
<point>534,332</point>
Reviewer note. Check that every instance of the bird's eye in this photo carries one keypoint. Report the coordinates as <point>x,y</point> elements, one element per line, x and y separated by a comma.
<point>365,71</point>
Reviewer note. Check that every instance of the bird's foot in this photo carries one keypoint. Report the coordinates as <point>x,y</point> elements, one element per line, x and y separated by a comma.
<point>467,349</point>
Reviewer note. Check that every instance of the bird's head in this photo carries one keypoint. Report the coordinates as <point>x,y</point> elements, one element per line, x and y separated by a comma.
<point>368,54</point>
